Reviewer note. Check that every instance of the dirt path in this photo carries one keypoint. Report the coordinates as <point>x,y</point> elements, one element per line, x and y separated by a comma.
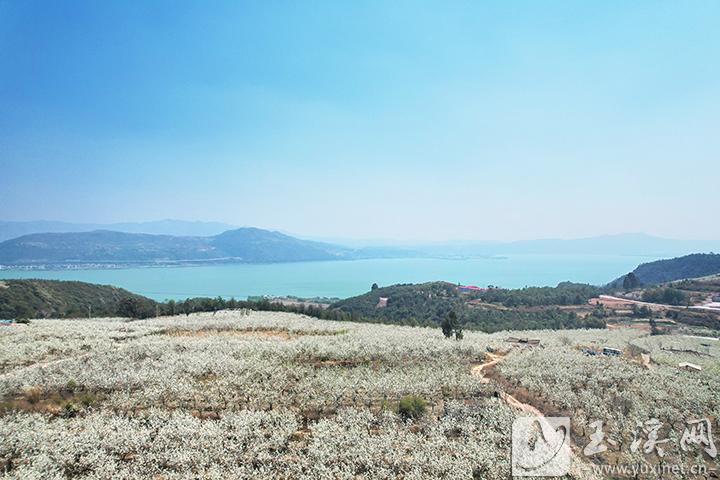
<point>477,371</point>
<point>579,468</point>
<point>614,302</point>
<point>40,365</point>
<point>611,301</point>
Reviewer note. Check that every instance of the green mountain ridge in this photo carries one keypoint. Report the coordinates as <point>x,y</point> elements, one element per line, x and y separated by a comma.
<point>689,266</point>
<point>62,299</point>
<point>427,304</point>
<point>250,245</point>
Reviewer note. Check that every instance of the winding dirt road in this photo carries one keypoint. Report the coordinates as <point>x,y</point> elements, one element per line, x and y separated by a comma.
<point>477,371</point>
<point>579,468</point>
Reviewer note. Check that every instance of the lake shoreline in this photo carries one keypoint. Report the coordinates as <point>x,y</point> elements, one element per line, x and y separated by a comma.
<point>345,278</point>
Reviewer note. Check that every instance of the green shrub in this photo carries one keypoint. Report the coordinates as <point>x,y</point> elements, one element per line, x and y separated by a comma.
<point>411,407</point>
<point>136,307</point>
<point>69,410</point>
<point>87,399</point>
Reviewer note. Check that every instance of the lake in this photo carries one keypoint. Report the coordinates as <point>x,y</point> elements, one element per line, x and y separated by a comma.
<point>347,278</point>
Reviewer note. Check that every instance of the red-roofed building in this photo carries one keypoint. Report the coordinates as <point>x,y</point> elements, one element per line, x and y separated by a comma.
<point>471,288</point>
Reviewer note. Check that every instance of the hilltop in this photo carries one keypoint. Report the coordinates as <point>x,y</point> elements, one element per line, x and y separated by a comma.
<point>568,305</point>
<point>489,310</point>
<point>690,266</point>
<point>59,299</point>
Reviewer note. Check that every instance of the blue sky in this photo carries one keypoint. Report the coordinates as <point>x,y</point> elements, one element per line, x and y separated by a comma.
<point>399,120</point>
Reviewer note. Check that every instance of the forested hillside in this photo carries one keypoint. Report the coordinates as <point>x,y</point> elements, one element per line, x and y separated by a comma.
<point>429,303</point>
<point>425,304</point>
<point>64,299</point>
<point>689,266</point>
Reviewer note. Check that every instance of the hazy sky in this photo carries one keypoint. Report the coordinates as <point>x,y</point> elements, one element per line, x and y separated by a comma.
<point>389,119</point>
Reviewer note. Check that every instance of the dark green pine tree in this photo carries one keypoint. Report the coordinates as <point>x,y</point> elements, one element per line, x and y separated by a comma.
<point>449,324</point>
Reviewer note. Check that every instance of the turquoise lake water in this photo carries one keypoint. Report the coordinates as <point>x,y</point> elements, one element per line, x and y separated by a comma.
<point>347,278</point>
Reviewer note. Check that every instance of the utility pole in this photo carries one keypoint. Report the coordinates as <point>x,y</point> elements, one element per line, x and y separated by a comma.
<point>89,310</point>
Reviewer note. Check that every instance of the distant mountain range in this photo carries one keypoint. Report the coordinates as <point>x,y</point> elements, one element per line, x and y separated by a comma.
<point>251,245</point>
<point>177,241</point>
<point>10,230</point>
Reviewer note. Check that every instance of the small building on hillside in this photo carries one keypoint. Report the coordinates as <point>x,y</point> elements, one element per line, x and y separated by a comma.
<point>612,352</point>
<point>382,302</point>
<point>471,288</point>
<point>690,367</point>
